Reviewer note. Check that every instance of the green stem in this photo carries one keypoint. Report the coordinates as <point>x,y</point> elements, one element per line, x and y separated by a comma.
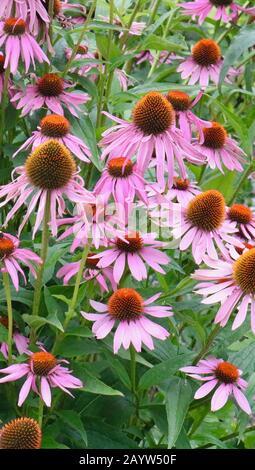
<point>131,19</point>
<point>133,380</point>
<point>208,344</point>
<point>43,255</point>
<point>7,289</point>
<point>155,62</point>
<point>201,174</point>
<point>71,309</point>
<point>40,412</point>
<point>154,12</point>
<point>243,178</point>
<point>233,435</point>
<point>3,106</point>
<point>80,39</point>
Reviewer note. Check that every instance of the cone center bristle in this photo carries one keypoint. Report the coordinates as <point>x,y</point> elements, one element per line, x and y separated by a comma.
<point>244,271</point>
<point>207,210</point>
<point>21,433</point>
<point>206,52</point>
<point>126,304</point>
<point>50,85</point>
<point>221,3</point>
<point>14,26</point>
<point>91,263</point>
<point>50,166</point>
<point>153,114</point>
<point>120,167</point>
<point>179,100</point>
<point>240,214</point>
<point>82,50</point>
<point>43,362</point>
<point>133,245</point>
<point>55,126</point>
<point>181,184</point>
<point>215,136</point>
<point>2,60</point>
<point>226,372</point>
<point>6,246</point>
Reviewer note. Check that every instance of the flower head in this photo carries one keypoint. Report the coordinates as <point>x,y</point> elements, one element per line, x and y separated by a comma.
<point>21,433</point>
<point>26,9</point>
<point>226,10</point>
<point>19,43</point>
<point>11,255</point>
<point>49,170</point>
<point>220,149</point>
<point>201,224</point>
<point>183,190</point>
<point>57,127</point>
<point>217,372</point>
<point>49,91</point>
<point>151,132</point>
<point>231,282</point>
<point>245,220</point>
<point>43,368</point>
<point>129,310</point>
<point>21,342</point>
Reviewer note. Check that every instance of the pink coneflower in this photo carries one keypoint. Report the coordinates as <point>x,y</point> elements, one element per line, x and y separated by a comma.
<point>151,131</point>
<point>220,149</point>
<point>20,341</point>
<point>202,225</point>
<point>77,18</point>
<point>83,53</point>
<point>11,256</point>
<point>187,120</point>
<point>92,272</point>
<point>230,282</point>
<point>134,251</point>
<point>136,28</point>
<point>19,43</point>
<point>130,310</point>
<point>50,169</point>
<point>204,64</point>
<point>165,57</point>
<point>24,9</point>
<point>217,372</point>
<point>44,368</point>
<point>122,180</point>
<point>245,220</point>
<point>57,127</point>
<point>226,10</point>
<point>183,191</point>
<point>49,91</point>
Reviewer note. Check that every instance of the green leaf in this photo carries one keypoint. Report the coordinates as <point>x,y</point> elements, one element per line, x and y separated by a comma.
<point>162,371</point>
<point>240,44</point>
<point>84,128</point>
<point>178,395</point>
<point>23,296</point>
<point>3,334</point>
<point>92,384</point>
<point>36,322</point>
<point>161,44</point>
<point>73,419</point>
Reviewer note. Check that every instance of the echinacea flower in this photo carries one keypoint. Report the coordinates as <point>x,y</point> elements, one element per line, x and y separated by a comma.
<point>66,20</point>
<point>232,282</point>
<point>226,376</point>
<point>188,121</point>
<point>11,256</point>
<point>220,149</point>
<point>49,91</point>
<point>91,272</point>
<point>25,9</point>
<point>245,220</point>
<point>130,310</point>
<point>201,223</point>
<point>21,342</point>
<point>226,10</point>
<point>57,127</point>
<point>136,28</point>
<point>165,57</point>
<point>151,131</point>
<point>203,65</point>
<point>134,250</point>
<point>21,433</point>
<point>49,171</point>
<point>44,368</point>
<point>19,43</point>
<point>83,53</point>
<point>121,179</point>
<point>183,191</point>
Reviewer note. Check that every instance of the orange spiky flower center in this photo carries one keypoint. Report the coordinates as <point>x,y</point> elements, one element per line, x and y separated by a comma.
<point>120,167</point>
<point>240,213</point>
<point>2,59</point>
<point>226,372</point>
<point>221,3</point>
<point>215,137</point>
<point>55,126</point>
<point>244,271</point>
<point>7,246</point>
<point>207,210</point>
<point>126,304</point>
<point>50,84</point>
<point>14,26</point>
<point>133,245</point>
<point>82,49</point>
<point>42,362</point>
<point>181,184</point>
<point>179,100</point>
<point>206,52</point>
<point>21,433</point>
<point>91,263</point>
<point>153,114</point>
